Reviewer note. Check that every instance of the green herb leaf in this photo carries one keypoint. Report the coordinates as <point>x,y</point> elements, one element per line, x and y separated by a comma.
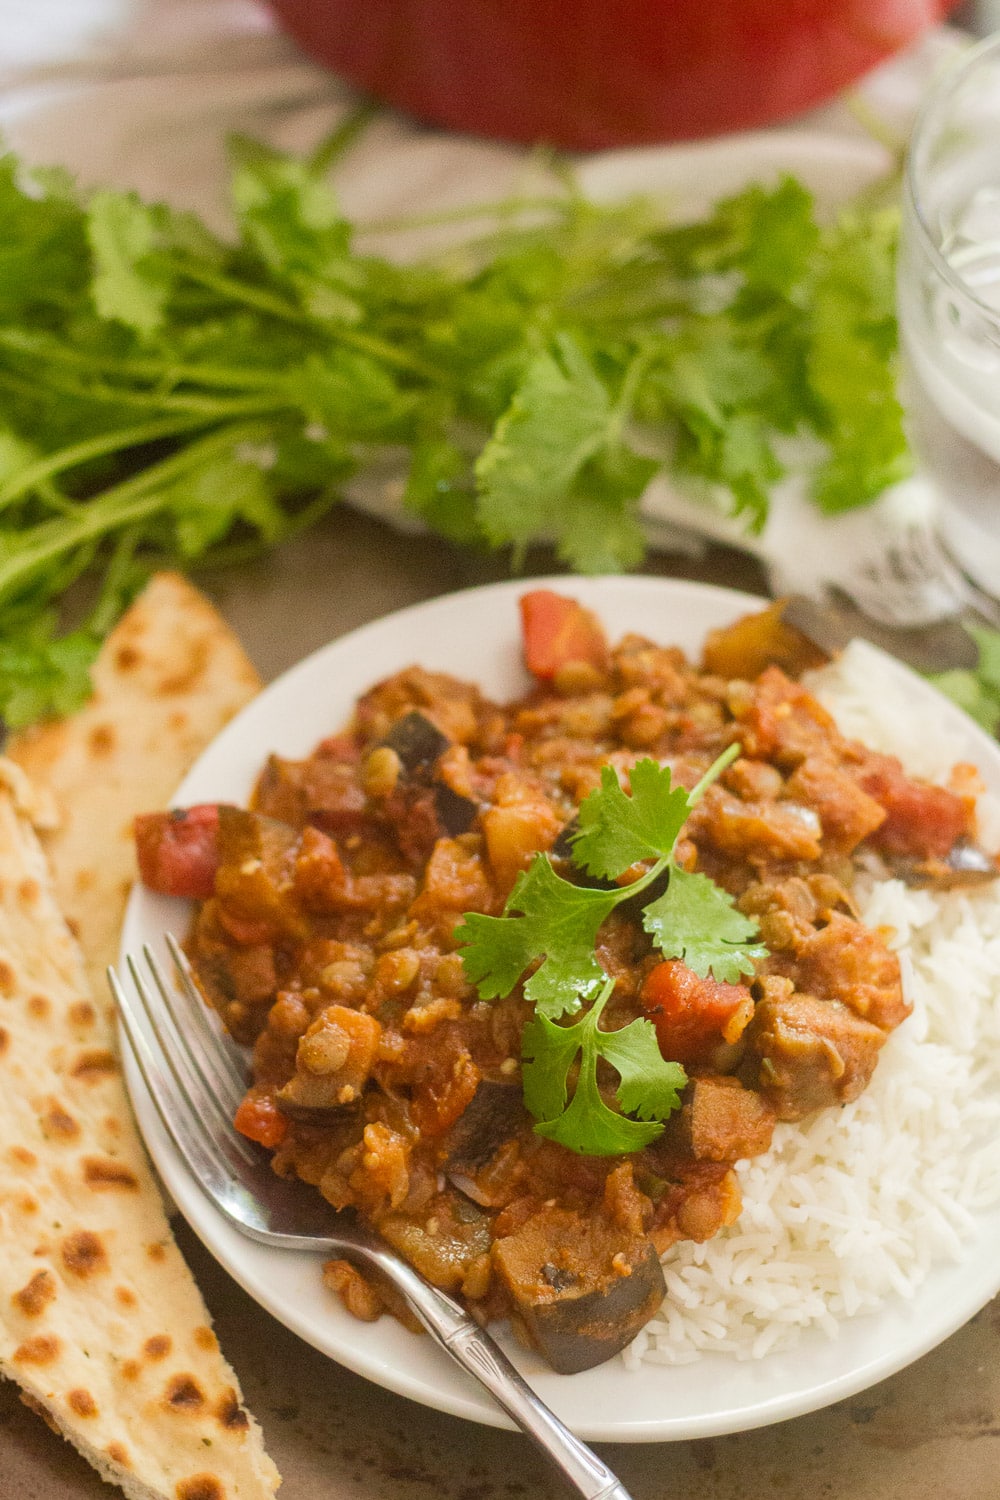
<point>559,417</point>
<point>695,920</point>
<point>129,284</point>
<point>588,1127</point>
<point>42,675</point>
<point>558,923</point>
<point>618,830</point>
<point>648,1085</point>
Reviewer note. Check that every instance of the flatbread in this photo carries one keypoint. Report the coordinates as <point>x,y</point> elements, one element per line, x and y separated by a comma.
<point>101,1323</point>
<point>167,679</point>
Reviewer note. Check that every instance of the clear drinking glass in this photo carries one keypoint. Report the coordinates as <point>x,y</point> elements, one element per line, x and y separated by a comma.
<point>949,305</point>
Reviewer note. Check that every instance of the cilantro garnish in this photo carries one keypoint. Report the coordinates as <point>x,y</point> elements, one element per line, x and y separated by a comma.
<point>695,920</point>
<point>552,923</point>
<point>187,399</point>
<point>648,1086</point>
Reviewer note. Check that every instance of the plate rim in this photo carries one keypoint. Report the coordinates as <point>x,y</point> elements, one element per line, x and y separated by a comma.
<point>399,1375</point>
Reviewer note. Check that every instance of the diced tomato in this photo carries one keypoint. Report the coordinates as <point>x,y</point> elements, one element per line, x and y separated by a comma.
<point>178,851</point>
<point>557,631</point>
<point>260,1119</point>
<point>692,1015</point>
<point>922,821</point>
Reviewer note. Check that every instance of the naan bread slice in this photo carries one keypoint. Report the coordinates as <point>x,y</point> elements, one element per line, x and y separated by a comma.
<point>167,679</point>
<point>101,1323</point>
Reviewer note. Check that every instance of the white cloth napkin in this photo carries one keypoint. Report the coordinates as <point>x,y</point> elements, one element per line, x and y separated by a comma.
<point>142,94</point>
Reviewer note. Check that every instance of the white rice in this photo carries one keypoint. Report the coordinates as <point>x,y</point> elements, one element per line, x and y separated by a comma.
<point>857,1204</point>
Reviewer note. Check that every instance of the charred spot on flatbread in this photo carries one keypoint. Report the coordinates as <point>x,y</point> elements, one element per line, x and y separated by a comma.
<point>81,1403</point>
<point>229,1413</point>
<point>183,1393</point>
<point>43,1349</point>
<point>83,1254</point>
<point>57,1124</point>
<point>158,1346</point>
<point>94,1064</point>
<point>35,1296</point>
<point>200,1487</point>
<point>104,1174</point>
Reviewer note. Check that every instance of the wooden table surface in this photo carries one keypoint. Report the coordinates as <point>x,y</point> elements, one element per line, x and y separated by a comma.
<point>929,1433</point>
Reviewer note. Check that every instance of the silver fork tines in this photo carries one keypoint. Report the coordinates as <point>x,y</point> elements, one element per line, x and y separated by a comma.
<point>196,1077</point>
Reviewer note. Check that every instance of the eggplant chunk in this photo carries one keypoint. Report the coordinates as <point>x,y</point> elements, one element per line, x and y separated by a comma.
<point>444,1242</point>
<point>579,1287</point>
<point>455,813</point>
<point>493,1115</point>
<point>416,740</point>
<point>722,1121</point>
<point>808,1054</point>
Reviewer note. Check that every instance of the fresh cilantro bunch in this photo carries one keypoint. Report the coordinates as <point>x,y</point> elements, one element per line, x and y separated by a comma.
<point>550,926</point>
<point>171,397</point>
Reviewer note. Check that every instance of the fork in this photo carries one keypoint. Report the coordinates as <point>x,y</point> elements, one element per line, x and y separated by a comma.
<point>196,1077</point>
<point>915,582</point>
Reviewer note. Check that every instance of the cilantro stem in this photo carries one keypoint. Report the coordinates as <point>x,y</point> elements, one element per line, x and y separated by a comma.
<point>714,771</point>
<point>263,301</point>
<point>134,500</point>
<point>245,294</point>
<point>105,443</point>
<point>21,342</point>
<point>192,401</point>
<point>341,138</point>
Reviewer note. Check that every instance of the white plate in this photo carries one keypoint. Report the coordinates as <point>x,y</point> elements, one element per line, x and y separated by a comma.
<point>475,634</point>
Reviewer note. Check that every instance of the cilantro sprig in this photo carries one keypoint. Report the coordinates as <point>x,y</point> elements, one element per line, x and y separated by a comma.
<point>553,923</point>
<point>171,397</point>
<point>648,1086</point>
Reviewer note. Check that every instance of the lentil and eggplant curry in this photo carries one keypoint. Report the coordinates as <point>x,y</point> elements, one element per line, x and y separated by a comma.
<point>523,983</point>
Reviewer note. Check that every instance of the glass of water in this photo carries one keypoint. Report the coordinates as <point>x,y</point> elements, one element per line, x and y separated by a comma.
<point>949,306</point>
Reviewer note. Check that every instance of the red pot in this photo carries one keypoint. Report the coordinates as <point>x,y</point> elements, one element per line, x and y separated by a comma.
<point>594,73</point>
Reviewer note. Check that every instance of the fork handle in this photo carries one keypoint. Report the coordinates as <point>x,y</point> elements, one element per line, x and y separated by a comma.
<point>472,1347</point>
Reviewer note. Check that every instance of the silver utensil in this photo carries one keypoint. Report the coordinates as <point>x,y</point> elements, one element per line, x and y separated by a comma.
<point>914,581</point>
<point>196,1077</point>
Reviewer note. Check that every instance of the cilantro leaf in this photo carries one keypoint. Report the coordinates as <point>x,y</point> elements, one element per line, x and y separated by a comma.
<point>695,920</point>
<point>129,283</point>
<point>588,1127</point>
<point>558,924</point>
<point>229,488</point>
<point>548,1051</point>
<point>559,417</point>
<point>649,1085</point>
<point>43,675</point>
<point>616,830</point>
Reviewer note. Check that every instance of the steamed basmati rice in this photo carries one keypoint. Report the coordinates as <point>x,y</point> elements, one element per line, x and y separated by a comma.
<point>856,1204</point>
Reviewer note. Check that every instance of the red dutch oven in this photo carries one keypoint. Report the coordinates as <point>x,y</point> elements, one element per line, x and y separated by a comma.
<point>593,73</point>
